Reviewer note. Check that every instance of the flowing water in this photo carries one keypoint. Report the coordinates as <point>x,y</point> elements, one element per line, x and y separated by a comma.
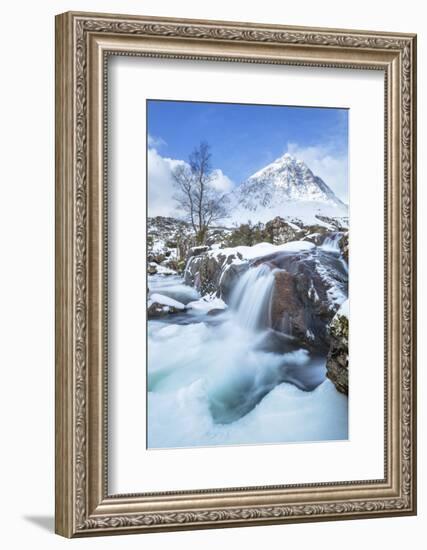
<point>331,243</point>
<point>231,379</point>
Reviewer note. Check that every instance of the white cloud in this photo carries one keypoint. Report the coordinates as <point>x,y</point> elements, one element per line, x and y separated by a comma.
<point>155,142</point>
<point>333,169</point>
<point>221,182</point>
<point>161,184</point>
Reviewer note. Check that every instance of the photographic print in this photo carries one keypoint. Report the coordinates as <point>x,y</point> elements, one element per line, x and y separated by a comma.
<point>247,274</point>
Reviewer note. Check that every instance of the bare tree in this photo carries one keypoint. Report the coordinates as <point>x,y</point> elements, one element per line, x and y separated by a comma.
<point>196,195</point>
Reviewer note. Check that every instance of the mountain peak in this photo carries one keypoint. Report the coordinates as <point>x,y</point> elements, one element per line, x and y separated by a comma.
<point>285,163</point>
<point>285,181</point>
<point>286,159</point>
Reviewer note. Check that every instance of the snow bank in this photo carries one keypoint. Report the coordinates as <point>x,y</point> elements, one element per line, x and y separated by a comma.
<point>172,287</point>
<point>286,414</point>
<point>163,270</point>
<point>206,304</point>
<point>165,301</point>
<point>262,249</point>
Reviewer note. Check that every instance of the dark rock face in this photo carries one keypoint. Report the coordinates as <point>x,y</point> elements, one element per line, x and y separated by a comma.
<point>337,360</point>
<point>212,274</point>
<point>343,244</point>
<point>203,272</point>
<point>300,303</point>
<point>279,231</point>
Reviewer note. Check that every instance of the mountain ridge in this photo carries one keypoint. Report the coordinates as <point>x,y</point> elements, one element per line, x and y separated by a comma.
<point>283,187</point>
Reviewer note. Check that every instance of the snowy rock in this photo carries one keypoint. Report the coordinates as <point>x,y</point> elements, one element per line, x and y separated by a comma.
<point>163,270</point>
<point>204,271</point>
<point>336,223</point>
<point>281,231</point>
<point>197,250</point>
<point>155,310</point>
<point>160,305</point>
<point>166,300</point>
<point>337,360</point>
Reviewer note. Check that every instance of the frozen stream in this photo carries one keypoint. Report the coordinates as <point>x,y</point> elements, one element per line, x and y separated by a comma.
<point>228,379</point>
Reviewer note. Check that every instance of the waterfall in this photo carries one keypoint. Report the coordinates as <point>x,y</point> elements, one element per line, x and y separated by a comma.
<point>252,296</point>
<point>331,244</point>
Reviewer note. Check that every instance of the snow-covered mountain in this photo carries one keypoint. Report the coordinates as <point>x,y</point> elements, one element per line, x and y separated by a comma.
<point>288,188</point>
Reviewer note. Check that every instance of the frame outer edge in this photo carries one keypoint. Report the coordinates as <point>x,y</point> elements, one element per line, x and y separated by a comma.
<point>73,517</point>
<point>414,271</point>
<point>64,238</point>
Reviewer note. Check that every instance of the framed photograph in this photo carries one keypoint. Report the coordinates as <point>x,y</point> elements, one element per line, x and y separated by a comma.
<point>235,274</point>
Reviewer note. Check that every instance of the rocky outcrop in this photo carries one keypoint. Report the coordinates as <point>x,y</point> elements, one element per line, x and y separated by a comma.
<point>338,223</point>
<point>213,272</point>
<point>343,244</point>
<point>300,303</point>
<point>279,231</point>
<point>309,286</point>
<point>337,360</point>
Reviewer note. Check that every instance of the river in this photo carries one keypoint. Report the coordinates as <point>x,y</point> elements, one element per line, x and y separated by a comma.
<point>227,378</point>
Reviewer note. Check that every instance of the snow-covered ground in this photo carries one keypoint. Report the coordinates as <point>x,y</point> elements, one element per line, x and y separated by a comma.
<point>262,249</point>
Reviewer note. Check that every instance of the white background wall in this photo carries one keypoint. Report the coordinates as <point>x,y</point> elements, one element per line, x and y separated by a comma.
<point>27,273</point>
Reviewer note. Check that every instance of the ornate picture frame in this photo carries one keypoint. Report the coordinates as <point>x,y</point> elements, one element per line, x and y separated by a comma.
<point>84,42</point>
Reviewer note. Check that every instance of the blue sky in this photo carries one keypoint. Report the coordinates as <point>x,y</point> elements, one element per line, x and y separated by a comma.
<point>244,138</point>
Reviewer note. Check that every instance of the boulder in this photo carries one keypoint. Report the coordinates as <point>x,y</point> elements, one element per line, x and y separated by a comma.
<point>158,257</point>
<point>160,305</point>
<point>156,310</point>
<point>279,231</point>
<point>301,304</point>
<point>337,360</point>
<point>212,272</point>
<point>152,268</point>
